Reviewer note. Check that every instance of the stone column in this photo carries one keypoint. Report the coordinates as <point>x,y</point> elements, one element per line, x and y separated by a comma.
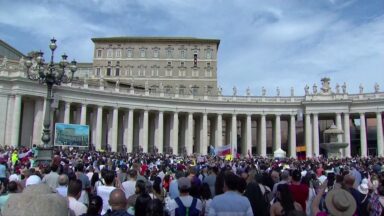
<point>38,121</point>
<point>130,130</point>
<point>189,132</point>
<point>248,126</point>
<point>339,126</point>
<point>316,146</point>
<point>234,134</point>
<point>145,131</point>
<point>292,137</point>
<point>347,135</point>
<point>308,135</point>
<point>363,136</point>
<point>219,131</point>
<point>379,128</point>
<point>115,120</point>
<point>263,136</point>
<point>204,138</point>
<point>99,128</point>
<point>175,135</point>
<point>16,121</point>
<point>277,133</point>
<point>67,112</point>
<point>83,118</point>
<point>160,131</point>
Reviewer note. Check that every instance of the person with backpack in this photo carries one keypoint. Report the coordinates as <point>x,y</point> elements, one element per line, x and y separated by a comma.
<point>185,204</point>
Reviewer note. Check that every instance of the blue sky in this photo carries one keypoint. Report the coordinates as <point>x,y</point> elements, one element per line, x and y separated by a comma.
<point>266,43</point>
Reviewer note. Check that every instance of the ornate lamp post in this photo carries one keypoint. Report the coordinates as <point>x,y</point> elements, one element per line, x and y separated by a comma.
<point>49,74</point>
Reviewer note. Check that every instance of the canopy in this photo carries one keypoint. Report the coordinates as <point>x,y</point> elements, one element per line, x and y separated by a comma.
<point>279,153</point>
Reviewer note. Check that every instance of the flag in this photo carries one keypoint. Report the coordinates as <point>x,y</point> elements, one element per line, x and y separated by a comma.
<point>223,150</point>
<point>22,155</point>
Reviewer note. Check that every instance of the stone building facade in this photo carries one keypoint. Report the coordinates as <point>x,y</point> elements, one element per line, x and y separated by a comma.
<point>172,65</point>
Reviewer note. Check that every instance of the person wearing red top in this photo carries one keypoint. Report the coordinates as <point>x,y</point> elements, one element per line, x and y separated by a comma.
<point>144,169</point>
<point>299,191</point>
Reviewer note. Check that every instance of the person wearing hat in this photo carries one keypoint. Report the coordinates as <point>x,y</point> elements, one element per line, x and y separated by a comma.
<point>338,202</point>
<point>175,206</point>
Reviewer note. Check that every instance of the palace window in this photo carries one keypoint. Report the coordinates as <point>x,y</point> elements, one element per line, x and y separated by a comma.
<point>118,53</point>
<point>130,53</point>
<point>109,53</point>
<point>182,90</point>
<point>169,53</point>
<point>98,72</point>
<point>208,73</point>
<point>155,72</point>
<point>167,89</point>
<point>168,72</point>
<point>182,73</point>
<point>109,71</point>
<point>142,53</point>
<point>117,72</point>
<point>156,54</point>
<point>99,53</point>
<point>208,54</point>
<point>195,60</point>
<point>195,90</point>
<point>182,64</point>
<point>182,54</point>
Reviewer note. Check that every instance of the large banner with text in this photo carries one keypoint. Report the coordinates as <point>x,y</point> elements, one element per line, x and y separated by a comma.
<point>71,135</point>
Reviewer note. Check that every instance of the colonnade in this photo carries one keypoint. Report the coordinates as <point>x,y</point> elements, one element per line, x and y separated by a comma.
<point>182,131</point>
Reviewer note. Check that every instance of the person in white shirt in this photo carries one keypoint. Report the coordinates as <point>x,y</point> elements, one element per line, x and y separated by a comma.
<point>74,192</point>
<point>130,185</point>
<point>62,189</point>
<point>105,190</point>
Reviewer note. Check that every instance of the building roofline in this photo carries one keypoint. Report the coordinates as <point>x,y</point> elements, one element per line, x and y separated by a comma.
<point>157,39</point>
<point>11,48</point>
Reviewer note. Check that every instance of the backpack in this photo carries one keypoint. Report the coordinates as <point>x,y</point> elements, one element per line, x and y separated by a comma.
<point>267,200</point>
<point>186,211</point>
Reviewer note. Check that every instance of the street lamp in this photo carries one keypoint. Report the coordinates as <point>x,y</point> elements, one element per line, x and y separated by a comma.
<point>49,74</point>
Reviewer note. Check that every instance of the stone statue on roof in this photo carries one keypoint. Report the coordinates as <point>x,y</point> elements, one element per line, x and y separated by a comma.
<point>248,91</point>
<point>234,91</point>
<point>263,91</point>
<point>337,88</point>
<point>219,91</point>
<point>344,88</point>
<point>278,91</point>
<point>292,91</point>
<point>326,87</point>
<point>361,88</point>
<point>314,88</point>
<point>306,89</point>
<point>377,88</point>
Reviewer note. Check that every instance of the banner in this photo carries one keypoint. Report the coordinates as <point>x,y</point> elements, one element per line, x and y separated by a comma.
<point>73,135</point>
<point>223,150</point>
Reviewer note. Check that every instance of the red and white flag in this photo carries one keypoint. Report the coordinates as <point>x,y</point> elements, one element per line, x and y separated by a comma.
<point>223,150</point>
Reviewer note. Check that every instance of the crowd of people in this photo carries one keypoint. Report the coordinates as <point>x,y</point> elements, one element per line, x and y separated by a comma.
<point>115,184</point>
